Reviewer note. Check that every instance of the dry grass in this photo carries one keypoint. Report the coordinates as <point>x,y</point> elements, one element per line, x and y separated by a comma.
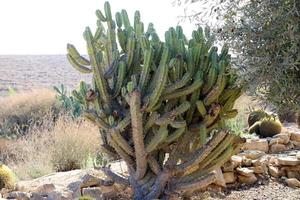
<point>21,110</point>
<point>53,147</point>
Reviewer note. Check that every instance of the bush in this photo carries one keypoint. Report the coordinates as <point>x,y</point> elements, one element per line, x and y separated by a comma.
<point>54,146</point>
<point>21,110</point>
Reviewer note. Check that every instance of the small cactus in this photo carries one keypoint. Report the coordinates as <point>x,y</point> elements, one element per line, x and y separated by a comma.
<point>269,127</point>
<point>255,116</point>
<point>7,177</point>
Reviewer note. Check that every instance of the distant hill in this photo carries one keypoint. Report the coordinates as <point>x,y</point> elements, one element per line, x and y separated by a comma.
<point>24,72</point>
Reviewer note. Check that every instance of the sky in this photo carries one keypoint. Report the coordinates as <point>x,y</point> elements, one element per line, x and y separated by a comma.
<point>46,26</point>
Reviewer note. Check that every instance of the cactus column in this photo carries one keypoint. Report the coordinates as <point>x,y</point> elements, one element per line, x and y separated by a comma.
<point>160,105</point>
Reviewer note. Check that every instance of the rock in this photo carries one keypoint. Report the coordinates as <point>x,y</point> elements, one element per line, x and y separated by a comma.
<point>247,179</point>
<point>44,189</point>
<point>273,161</point>
<point>258,169</point>
<point>246,162</point>
<point>284,137</point>
<point>19,195</point>
<point>67,184</point>
<point>293,174</point>
<point>293,183</point>
<point>94,192</point>
<point>274,171</point>
<point>276,148</point>
<point>236,161</point>
<point>228,167</point>
<point>277,141</point>
<point>289,160</point>
<point>296,144</point>
<point>245,171</point>
<point>252,154</point>
<point>262,161</point>
<point>260,144</point>
<point>295,136</point>
<point>229,177</point>
<point>220,181</point>
<point>298,155</point>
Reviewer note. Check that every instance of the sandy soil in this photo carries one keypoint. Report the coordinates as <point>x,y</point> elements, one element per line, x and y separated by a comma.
<point>25,72</point>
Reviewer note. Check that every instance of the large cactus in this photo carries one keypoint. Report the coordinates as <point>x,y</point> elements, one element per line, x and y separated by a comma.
<point>160,106</point>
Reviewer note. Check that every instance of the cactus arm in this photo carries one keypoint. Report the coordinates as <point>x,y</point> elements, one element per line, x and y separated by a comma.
<point>201,154</point>
<point>120,79</point>
<point>178,124</point>
<point>214,94</point>
<point>153,164</point>
<point>148,56</point>
<point>128,159</point>
<point>72,51</point>
<point>196,184</point>
<point>162,79</point>
<point>97,120</point>
<point>184,91</point>
<point>76,65</point>
<point>151,121</point>
<point>120,141</point>
<point>217,151</point>
<point>137,134</point>
<point>178,84</point>
<point>97,66</point>
<point>130,47</point>
<point>170,116</point>
<point>157,139</point>
<point>175,135</point>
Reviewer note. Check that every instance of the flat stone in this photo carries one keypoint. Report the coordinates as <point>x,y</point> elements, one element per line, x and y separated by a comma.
<point>252,154</point>
<point>260,144</point>
<point>93,192</point>
<point>293,174</point>
<point>236,160</point>
<point>293,183</point>
<point>245,171</point>
<point>67,184</point>
<point>285,137</point>
<point>258,169</point>
<point>228,167</point>
<point>19,195</point>
<point>277,141</point>
<point>44,189</point>
<point>220,181</point>
<point>229,177</point>
<point>289,160</point>
<point>295,136</point>
<point>276,148</point>
<point>262,161</point>
<point>247,179</point>
<point>274,172</point>
<point>296,144</point>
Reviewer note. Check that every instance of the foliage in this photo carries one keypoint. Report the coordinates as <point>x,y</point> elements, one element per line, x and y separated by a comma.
<point>160,106</point>
<point>22,110</point>
<point>264,36</point>
<point>54,146</point>
<point>68,103</point>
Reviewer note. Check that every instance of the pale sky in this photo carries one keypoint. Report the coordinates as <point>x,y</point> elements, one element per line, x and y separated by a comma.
<point>46,26</point>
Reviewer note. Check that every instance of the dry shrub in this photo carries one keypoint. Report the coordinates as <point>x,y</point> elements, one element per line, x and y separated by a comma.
<point>55,146</point>
<point>20,111</point>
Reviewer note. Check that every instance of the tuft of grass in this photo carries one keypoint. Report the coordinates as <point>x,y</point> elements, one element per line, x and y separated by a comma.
<point>55,146</point>
<point>21,110</point>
